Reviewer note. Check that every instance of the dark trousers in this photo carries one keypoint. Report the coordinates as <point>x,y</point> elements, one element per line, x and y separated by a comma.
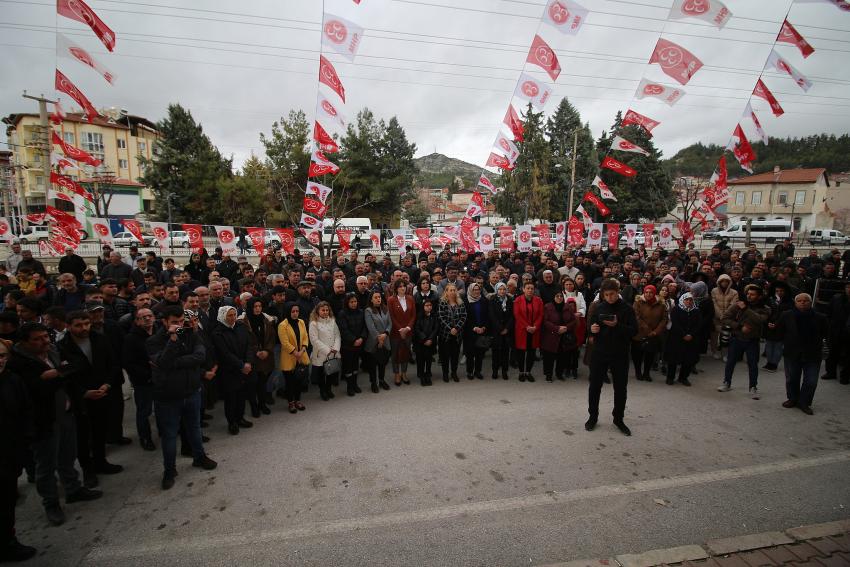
<point>642,360</point>
<point>292,387</point>
<point>8,499</point>
<point>802,393</point>
<point>319,377</point>
<point>170,414</point>
<point>256,391</point>
<point>684,371</point>
<point>750,348</point>
<point>554,361</point>
<point>599,366</point>
<point>474,359</point>
<point>210,396</point>
<point>377,370</point>
<point>350,365</point>
<point>234,405</point>
<point>501,354</point>
<point>143,396</point>
<point>571,360</point>
<point>525,359</point>
<point>92,424</point>
<point>55,454</point>
<point>838,354</point>
<point>424,358</point>
<point>449,356</point>
<point>115,414</point>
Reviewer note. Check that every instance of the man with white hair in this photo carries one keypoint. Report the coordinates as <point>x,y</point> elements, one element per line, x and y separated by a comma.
<point>116,269</point>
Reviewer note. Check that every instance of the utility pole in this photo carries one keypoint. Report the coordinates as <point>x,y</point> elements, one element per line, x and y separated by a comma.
<point>45,144</point>
<point>573,173</point>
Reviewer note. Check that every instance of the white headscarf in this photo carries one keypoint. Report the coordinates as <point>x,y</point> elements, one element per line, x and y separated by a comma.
<point>222,315</point>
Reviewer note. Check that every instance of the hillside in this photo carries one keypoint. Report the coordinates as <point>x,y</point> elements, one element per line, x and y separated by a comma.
<point>829,151</point>
<point>437,170</point>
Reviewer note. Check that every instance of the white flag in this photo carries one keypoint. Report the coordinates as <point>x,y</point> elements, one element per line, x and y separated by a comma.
<point>603,189</point>
<point>341,35</point>
<point>398,239</point>
<point>631,232</point>
<point>560,234</point>
<point>752,116</point>
<point>374,238</point>
<point>594,234</point>
<point>783,66</point>
<point>226,238</point>
<point>713,11</point>
<point>565,16</point>
<point>585,217</point>
<point>160,233</point>
<point>523,236</point>
<point>665,234</point>
<point>101,229</point>
<point>506,147</point>
<point>485,182</point>
<point>327,112</point>
<point>623,145</point>
<point>531,90</point>
<point>319,190</point>
<point>486,238</point>
<point>670,95</point>
<point>67,48</point>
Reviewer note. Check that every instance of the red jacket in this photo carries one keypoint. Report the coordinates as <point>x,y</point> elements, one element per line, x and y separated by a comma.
<point>399,317</point>
<point>527,315</point>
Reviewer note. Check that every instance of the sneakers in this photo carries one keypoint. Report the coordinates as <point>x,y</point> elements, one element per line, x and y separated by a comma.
<point>83,494</point>
<point>754,393</point>
<point>725,387</point>
<point>204,463</point>
<point>14,551</point>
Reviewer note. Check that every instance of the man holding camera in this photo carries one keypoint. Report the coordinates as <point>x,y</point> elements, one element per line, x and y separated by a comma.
<point>177,355</point>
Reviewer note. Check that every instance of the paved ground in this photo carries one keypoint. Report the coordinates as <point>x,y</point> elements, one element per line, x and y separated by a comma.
<point>475,473</point>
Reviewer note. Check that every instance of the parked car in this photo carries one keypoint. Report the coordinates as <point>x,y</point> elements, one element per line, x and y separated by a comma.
<point>34,233</point>
<point>129,239</point>
<point>178,239</point>
<point>827,236</point>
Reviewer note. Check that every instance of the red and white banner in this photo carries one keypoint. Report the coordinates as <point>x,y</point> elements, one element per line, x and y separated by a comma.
<point>603,189</point>
<point>314,207</point>
<point>329,77</point>
<point>544,237</point>
<point>782,65</point>
<point>619,167</point>
<point>560,234</point>
<point>60,161</point>
<point>324,140</point>
<point>341,35</point>
<point>675,61</point>
<point>748,112</point>
<point>720,195</point>
<point>257,236</point>
<point>741,149</point>
<point>685,230</point>
<point>58,115</point>
<point>513,121</point>
<point>343,235</point>
<point>840,4</point>
<point>523,236</point>
<point>486,238</point>
<point>665,234</point>
<point>631,233</point>
<point>597,202</point>
<point>644,122</point>
<point>75,154</point>
<point>613,235</point>
<point>287,239</point>
<point>712,11</point>
<point>586,219</point>
<point>483,181</point>
<point>45,248</point>
<point>507,147</point>
<point>651,89</point>
<point>319,165</point>
<point>576,232</point>
<point>314,237</point>
<point>473,210</point>
<point>134,228</point>
<point>543,56</point>
<point>506,238</point>
<point>423,237</point>
<point>500,161</point>
<point>375,238</point>
<point>329,113</point>
<point>398,239</point>
<point>648,230</point>
<point>195,234</point>
<point>160,233</point>
<point>311,223</point>
<point>64,84</point>
<point>623,145</point>
<point>762,91</point>
<point>789,34</point>
<point>35,218</point>
<point>226,238</point>
<point>468,241</point>
<point>5,230</point>
<point>70,185</point>
<point>319,190</point>
<point>565,16</point>
<point>531,90</point>
<point>101,229</point>
<point>70,50</point>
<point>79,11</point>
<point>594,234</point>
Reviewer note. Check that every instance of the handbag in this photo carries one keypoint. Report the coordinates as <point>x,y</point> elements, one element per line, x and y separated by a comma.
<point>301,375</point>
<point>483,342</point>
<point>332,366</point>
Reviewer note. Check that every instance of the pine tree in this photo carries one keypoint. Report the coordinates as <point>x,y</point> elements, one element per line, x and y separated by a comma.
<point>561,128</point>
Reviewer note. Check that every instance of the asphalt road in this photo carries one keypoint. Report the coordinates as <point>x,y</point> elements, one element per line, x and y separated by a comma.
<point>476,473</point>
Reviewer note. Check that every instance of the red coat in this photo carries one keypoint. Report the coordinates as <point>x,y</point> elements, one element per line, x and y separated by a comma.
<point>399,317</point>
<point>527,315</point>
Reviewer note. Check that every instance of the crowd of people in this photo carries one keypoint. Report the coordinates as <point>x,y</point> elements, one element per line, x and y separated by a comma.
<point>223,330</point>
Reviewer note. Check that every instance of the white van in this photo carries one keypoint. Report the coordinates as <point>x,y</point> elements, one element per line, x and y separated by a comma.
<point>768,231</point>
<point>827,236</point>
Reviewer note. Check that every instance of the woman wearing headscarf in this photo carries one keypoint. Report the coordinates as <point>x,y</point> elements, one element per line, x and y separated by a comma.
<point>196,269</point>
<point>571,291</point>
<point>699,291</point>
<point>294,340</point>
<point>261,340</point>
<point>501,324</point>
<point>682,345</point>
<point>326,341</point>
<point>235,372</point>
<point>353,332</point>
<point>651,315</point>
<point>403,315</point>
<point>378,326</point>
<point>559,325</point>
<point>477,325</point>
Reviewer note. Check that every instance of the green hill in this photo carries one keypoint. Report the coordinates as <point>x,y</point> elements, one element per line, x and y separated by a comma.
<point>437,170</point>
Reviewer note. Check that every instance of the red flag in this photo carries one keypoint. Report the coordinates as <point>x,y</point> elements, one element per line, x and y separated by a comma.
<point>478,199</point>
<point>648,229</point>
<point>762,91</point>
<point>258,239</point>
<point>75,153</point>
<point>195,234</point>
<point>79,10</point>
<point>506,238</point>
<point>789,34</point>
<point>328,76</point>
<point>676,61</point>
<point>321,166</point>
<point>62,217</point>
<point>65,85</point>
<point>685,230</point>
<point>314,207</point>
<point>613,235</point>
<point>468,241</point>
<point>344,237</point>
<point>514,123</point>
<point>644,122</point>
<point>721,181</point>
<point>576,231</point>
<point>621,168</point>
<point>495,160</point>
<point>287,239</point>
<point>424,237</point>
<point>597,202</point>
<point>70,185</point>
<point>35,218</point>
<point>326,142</point>
<point>742,150</point>
<point>58,114</point>
<point>483,181</point>
<point>133,228</point>
<point>542,55</point>
<point>544,236</point>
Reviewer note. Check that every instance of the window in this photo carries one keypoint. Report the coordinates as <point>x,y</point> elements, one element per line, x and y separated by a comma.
<point>93,142</point>
<point>797,222</point>
<point>800,198</point>
<point>756,198</point>
<point>39,182</point>
<point>122,164</point>
<point>142,147</point>
<point>782,198</point>
<point>68,137</point>
<point>739,197</point>
<point>122,144</point>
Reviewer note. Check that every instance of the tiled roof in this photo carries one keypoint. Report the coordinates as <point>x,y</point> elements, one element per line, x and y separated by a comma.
<point>783,176</point>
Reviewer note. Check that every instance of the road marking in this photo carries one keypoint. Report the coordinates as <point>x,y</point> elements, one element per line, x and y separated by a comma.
<point>100,555</point>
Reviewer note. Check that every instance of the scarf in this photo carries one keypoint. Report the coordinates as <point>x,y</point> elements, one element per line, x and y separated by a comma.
<point>293,323</point>
<point>469,293</point>
<point>682,304</point>
<point>222,315</point>
<point>257,322</point>
<point>503,301</point>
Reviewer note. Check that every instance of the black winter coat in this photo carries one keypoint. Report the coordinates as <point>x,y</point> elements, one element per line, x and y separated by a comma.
<point>135,357</point>
<point>476,316</point>
<point>176,371</point>
<point>232,348</point>
<point>613,341</point>
<point>16,424</point>
<point>352,326</point>
<point>678,350</point>
<point>89,375</point>
<point>802,345</point>
<point>501,319</point>
<point>426,328</point>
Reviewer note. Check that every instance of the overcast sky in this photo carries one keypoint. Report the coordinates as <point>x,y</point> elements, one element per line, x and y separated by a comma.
<point>446,68</point>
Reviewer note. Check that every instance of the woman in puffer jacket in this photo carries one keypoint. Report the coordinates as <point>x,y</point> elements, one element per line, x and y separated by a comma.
<point>722,296</point>
<point>326,341</point>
